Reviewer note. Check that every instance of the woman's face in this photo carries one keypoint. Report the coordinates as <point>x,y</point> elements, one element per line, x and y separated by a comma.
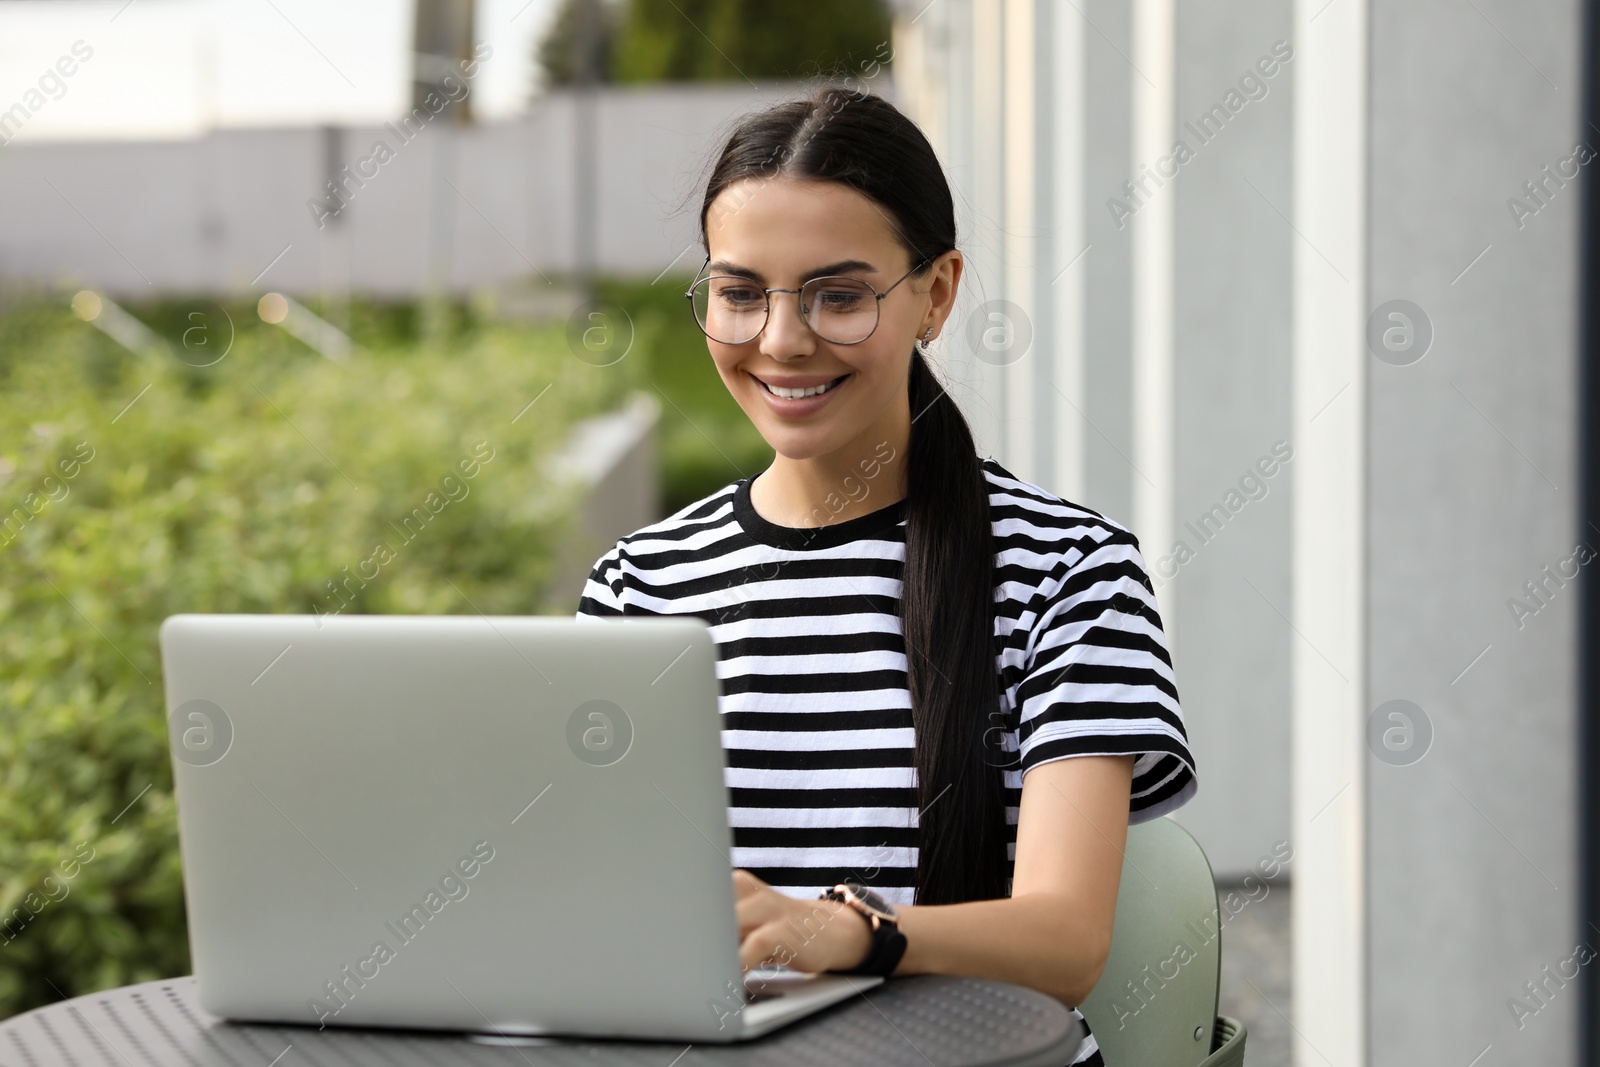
<point>779,232</point>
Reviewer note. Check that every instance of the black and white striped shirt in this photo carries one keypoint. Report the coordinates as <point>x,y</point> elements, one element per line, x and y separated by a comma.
<point>815,708</point>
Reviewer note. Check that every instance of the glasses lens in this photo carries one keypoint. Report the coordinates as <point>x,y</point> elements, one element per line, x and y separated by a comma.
<point>730,310</point>
<point>841,310</point>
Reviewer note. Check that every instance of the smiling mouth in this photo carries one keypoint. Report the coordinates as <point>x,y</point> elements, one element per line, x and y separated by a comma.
<point>798,394</point>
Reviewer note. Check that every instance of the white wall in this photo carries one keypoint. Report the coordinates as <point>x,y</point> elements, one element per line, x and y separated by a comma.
<point>491,203</point>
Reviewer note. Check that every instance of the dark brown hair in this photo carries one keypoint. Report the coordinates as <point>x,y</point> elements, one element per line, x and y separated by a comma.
<point>947,610</point>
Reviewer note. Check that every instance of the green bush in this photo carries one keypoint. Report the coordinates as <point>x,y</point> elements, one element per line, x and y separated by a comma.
<point>132,488</point>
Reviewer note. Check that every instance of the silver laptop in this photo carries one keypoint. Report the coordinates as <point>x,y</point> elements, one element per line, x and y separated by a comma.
<point>509,825</point>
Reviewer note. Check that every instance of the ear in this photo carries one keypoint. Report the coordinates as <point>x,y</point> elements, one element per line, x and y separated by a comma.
<point>943,280</point>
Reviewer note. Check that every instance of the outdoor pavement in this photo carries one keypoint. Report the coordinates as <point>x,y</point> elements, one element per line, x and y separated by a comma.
<point>1255,976</point>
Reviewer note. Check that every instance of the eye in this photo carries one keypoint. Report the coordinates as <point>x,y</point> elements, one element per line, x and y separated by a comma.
<point>840,297</point>
<point>740,296</point>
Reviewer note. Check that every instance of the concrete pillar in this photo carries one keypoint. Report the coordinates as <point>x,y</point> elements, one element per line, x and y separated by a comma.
<point>1436,721</point>
<point>1222,566</point>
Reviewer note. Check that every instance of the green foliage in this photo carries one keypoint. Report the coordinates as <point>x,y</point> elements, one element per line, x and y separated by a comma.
<point>560,52</point>
<point>132,488</point>
<point>718,40</point>
<point>706,439</point>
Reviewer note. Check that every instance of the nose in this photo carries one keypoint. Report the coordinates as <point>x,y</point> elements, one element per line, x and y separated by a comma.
<point>786,335</point>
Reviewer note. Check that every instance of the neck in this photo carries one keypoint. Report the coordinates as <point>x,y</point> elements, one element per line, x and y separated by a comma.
<point>865,475</point>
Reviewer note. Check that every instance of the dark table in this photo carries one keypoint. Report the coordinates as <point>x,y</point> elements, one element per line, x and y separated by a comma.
<point>919,1021</point>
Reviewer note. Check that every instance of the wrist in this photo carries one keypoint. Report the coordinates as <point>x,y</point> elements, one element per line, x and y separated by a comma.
<point>886,944</point>
<point>917,958</point>
<point>855,943</point>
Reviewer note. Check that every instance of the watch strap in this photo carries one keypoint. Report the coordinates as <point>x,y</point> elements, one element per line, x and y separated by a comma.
<point>888,945</point>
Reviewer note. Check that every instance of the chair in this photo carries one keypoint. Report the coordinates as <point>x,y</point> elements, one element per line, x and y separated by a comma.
<point>1156,1002</point>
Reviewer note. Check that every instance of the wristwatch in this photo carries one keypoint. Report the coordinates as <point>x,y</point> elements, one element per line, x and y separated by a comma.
<point>888,943</point>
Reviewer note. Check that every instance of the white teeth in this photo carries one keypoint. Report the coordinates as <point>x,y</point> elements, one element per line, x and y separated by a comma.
<point>796,394</point>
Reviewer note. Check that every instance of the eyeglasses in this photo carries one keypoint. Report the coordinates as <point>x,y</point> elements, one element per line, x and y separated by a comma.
<point>839,309</point>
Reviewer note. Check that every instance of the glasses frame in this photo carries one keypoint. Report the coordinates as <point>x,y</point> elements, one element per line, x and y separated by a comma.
<point>767,310</point>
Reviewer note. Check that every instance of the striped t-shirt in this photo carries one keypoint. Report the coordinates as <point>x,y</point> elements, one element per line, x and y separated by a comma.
<point>816,712</point>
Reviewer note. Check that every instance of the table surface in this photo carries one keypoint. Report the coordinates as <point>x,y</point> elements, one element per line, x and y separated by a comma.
<point>919,1021</point>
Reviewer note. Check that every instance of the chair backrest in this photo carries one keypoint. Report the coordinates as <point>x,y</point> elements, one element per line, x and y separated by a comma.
<point>1156,1001</point>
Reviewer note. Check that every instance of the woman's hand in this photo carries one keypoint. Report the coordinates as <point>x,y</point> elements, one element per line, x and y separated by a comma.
<point>806,935</point>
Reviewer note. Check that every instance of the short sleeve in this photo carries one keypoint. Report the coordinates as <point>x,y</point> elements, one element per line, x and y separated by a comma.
<point>602,593</point>
<point>1098,680</point>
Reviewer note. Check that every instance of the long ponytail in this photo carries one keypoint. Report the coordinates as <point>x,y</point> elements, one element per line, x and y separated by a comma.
<point>947,611</point>
<point>946,601</point>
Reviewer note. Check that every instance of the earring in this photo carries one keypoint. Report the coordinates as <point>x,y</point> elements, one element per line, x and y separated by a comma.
<point>927,335</point>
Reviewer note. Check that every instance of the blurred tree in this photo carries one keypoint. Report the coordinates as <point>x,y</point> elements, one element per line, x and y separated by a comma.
<point>560,52</point>
<point>717,40</point>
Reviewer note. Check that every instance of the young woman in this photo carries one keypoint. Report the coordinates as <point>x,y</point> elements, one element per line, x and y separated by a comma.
<point>938,680</point>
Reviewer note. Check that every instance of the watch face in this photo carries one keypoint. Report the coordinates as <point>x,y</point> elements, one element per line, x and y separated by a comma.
<point>873,900</point>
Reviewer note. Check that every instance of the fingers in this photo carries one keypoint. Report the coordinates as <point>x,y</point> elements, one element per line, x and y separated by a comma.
<point>778,930</point>
<point>756,904</point>
<point>765,945</point>
<point>754,901</point>
<point>802,934</point>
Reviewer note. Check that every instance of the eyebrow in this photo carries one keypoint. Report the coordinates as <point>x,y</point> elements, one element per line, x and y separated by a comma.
<point>844,266</point>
